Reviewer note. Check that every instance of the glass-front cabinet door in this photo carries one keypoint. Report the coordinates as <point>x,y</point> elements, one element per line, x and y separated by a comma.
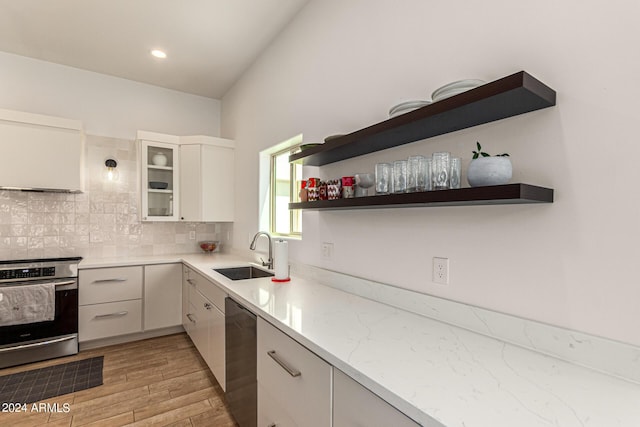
<point>160,185</point>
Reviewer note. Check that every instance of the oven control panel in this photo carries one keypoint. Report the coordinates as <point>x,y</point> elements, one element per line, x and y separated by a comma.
<point>27,273</point>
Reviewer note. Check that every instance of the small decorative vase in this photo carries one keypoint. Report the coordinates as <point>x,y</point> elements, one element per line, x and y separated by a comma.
<point>159,159</point>
<point>489,171</point>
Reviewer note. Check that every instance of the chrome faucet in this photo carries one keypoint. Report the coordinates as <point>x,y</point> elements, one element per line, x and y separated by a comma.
<point>252,246</point>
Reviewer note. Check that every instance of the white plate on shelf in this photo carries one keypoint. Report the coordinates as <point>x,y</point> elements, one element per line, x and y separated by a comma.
<point>455,88</point>
<point>407,106</point>
<point>449,94</point>
<point>400,112</point>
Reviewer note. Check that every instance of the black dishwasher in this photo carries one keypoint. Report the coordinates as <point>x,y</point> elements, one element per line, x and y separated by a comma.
<point>240,358</point>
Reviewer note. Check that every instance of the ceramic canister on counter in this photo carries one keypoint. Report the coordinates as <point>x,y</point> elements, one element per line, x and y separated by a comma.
<point>347,187</point>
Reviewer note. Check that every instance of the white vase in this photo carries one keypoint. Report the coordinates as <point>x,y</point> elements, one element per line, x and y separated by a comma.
<point>489,171</point>
<point>159,159</point>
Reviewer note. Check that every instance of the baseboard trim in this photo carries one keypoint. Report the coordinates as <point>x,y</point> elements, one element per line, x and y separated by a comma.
<point>120,339</point>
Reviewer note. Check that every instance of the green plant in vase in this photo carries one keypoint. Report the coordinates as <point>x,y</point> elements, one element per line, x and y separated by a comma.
<point>485,169</point>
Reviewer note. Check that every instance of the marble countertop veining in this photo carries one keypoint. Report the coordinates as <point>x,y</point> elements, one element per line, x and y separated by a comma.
<point>436,373</point>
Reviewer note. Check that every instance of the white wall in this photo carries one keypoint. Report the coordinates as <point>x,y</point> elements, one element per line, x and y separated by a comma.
<point>340,66</point>
<point>108,106</point>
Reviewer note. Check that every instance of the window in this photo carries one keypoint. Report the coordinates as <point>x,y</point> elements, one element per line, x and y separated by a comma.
<point>285,182</point>
<point>279,185</point>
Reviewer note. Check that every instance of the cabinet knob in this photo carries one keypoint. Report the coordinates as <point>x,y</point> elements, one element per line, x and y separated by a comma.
<point>207,306</point>
<point>182,218</point>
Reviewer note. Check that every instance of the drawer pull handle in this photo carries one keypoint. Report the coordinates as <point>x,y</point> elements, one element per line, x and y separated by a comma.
<point>291,371</point>
<point>118,279</point>
<point>208,306</point>
<point>190,317</point>
<point>105,316</point>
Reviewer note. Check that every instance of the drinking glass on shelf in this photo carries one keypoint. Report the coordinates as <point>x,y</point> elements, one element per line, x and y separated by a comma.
<point>428,174</point>
<point>399,176</point>
<point>440,173</point>
<point>454,178</point>
<point>416,173</point>
<point>383,178</point>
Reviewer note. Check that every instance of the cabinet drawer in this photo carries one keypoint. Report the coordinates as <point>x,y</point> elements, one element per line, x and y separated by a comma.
<point>211,291</point>
<point>109,319</point>
<point>354,405</point>
<point>295,377</point>
<point>271,412</point>
<point>109,284</point>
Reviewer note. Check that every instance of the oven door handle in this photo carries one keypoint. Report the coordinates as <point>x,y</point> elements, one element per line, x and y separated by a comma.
<point>117,279</point>
<point>60,285</point>
<point>37,344</point>
<point>66,282</point>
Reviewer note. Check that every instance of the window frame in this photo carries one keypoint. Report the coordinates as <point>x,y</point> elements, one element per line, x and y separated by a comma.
<point>295,215</point>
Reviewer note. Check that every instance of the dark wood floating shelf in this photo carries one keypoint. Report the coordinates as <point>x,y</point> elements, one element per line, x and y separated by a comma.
<point>490,195</point>
<point>510,96</point>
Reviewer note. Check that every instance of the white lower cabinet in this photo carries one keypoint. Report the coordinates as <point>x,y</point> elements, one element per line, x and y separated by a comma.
<point>199,332</point>
<point>97,285</point>
<point>203,319</point>
<point>162,293</point>
<point>271,412</point>
<point>117,301</point>
<point>187,324</point>
<point>109,319</point>
<point>356,406</point>
<point>294,385</point>
<point>110,302</point>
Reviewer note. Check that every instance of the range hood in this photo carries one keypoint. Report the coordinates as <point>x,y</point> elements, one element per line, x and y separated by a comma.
<point>41,153</point>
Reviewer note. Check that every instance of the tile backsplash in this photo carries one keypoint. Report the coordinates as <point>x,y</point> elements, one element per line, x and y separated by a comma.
<point>104,221</point>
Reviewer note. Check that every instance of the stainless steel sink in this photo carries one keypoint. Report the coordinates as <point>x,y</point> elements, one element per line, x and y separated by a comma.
<point>243,273</point>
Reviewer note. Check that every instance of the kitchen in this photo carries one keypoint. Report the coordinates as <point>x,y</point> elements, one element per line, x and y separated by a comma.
<point>338,67</point>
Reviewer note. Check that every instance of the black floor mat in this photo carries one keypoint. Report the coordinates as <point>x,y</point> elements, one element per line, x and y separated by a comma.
<point>39,384</point>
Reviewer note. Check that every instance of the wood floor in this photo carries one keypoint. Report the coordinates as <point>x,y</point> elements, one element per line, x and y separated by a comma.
<point>156,382</point>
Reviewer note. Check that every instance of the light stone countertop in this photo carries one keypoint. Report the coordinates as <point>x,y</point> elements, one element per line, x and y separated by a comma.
<point>435,373</point>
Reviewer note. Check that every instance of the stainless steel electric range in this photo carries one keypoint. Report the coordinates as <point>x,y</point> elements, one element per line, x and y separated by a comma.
<point>29,337</point>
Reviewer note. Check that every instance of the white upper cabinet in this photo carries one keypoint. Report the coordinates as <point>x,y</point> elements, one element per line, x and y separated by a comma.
<point>160,184</point>
<point>207,179</point>
<point>188,178</point>
<point>41,152</point>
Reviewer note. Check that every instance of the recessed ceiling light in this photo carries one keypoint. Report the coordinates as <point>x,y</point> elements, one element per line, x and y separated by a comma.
<point>158,54</point>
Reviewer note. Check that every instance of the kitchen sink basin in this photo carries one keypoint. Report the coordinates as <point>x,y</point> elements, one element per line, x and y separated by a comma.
<point>243,273</point>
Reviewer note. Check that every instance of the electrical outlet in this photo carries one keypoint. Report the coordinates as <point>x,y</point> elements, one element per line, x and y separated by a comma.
<point>327,250</point>
<point>192,235</point>
<point>441,270</point>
